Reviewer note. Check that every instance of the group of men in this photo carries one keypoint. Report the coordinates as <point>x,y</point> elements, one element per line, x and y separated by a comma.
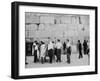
<point>52,49</point>
<point>85,47</point>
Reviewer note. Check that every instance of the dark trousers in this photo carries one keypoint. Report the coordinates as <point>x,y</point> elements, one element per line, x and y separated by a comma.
<point>50,53</point>
<point>26,60</point>
<point>68,58</point>
<point>80,54</point>
<point>58,55</point>
<point>68,54</point>
<point>42,60</point>
<point>55,52</point>
<point>35,56</point>
<point>88,51</point>
<point>85,50</point>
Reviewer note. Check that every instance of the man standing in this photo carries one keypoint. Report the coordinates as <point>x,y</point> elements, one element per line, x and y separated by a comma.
<point>58,46</point>
<point>35,51</point>
<point>55,51</point>
<point>64,47</point>
<point>88,47</point>
<point>80,49</point>
<point>42,51</point>
<point>85,47</point>
<point>50,51</point>
<point>68,51</point>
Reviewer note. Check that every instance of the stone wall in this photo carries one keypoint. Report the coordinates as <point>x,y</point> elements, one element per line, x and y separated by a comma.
<point>73,27</point>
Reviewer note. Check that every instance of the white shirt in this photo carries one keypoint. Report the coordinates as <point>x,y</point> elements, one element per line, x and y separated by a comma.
<point>58,45</point>
<point>50,46</point>
<point>68,44</point>
<point>36,47</point>
<point>42,50</point>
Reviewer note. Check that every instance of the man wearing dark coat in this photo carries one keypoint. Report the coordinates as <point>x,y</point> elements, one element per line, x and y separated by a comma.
<point>80,49</point>
<point>85,47</point>
<point>68,46</point>
<point>64,47</point>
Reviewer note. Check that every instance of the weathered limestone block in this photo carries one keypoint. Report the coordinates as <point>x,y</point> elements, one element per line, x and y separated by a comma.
<point>31,27</point>
<point>62,27</point>
<point>57,34</point>
<point>48,27</point>
<point>70,33</point>
<point>57,20</point>
<point>86,33</point>
<point>72,26</point>
<point>41,27</point>
<point>43,34</point>
<point>27,34</point>
<point>84,19</point>
<point>86,26</point>
<point>75,19</point>
<point>31,18</point>
<point>80,27</point>
<point>65,19</point>
<point>47,19</point>
<point>83,30</point>
<point>31,34</point>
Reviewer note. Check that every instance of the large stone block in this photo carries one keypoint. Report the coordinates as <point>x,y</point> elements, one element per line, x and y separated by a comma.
<point>58,34</point>
<point>48,27</point>
<point>75,19</point>
<point>47,19</point>
<point>31,34</point>
<point>31,18</point>
<point>86,26</point>
<point>57,20</point>
<point>43,34</point>
<point>80,28</point>
<point>31,27</point>
<point>85,19</point>
<point>70,33</point>
<point>27,34</point>
<point>65,20</point>
<point>72,27</point>
<point>41,27</point>
<point>87,33</point>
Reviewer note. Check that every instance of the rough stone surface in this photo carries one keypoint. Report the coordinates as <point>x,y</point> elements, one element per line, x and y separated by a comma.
<point>39,25</point>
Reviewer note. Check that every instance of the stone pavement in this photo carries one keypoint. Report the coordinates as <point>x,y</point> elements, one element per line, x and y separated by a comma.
<point>75,61</point>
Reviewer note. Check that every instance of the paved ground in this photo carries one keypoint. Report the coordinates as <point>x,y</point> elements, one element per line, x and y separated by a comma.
<point>75,61</point>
